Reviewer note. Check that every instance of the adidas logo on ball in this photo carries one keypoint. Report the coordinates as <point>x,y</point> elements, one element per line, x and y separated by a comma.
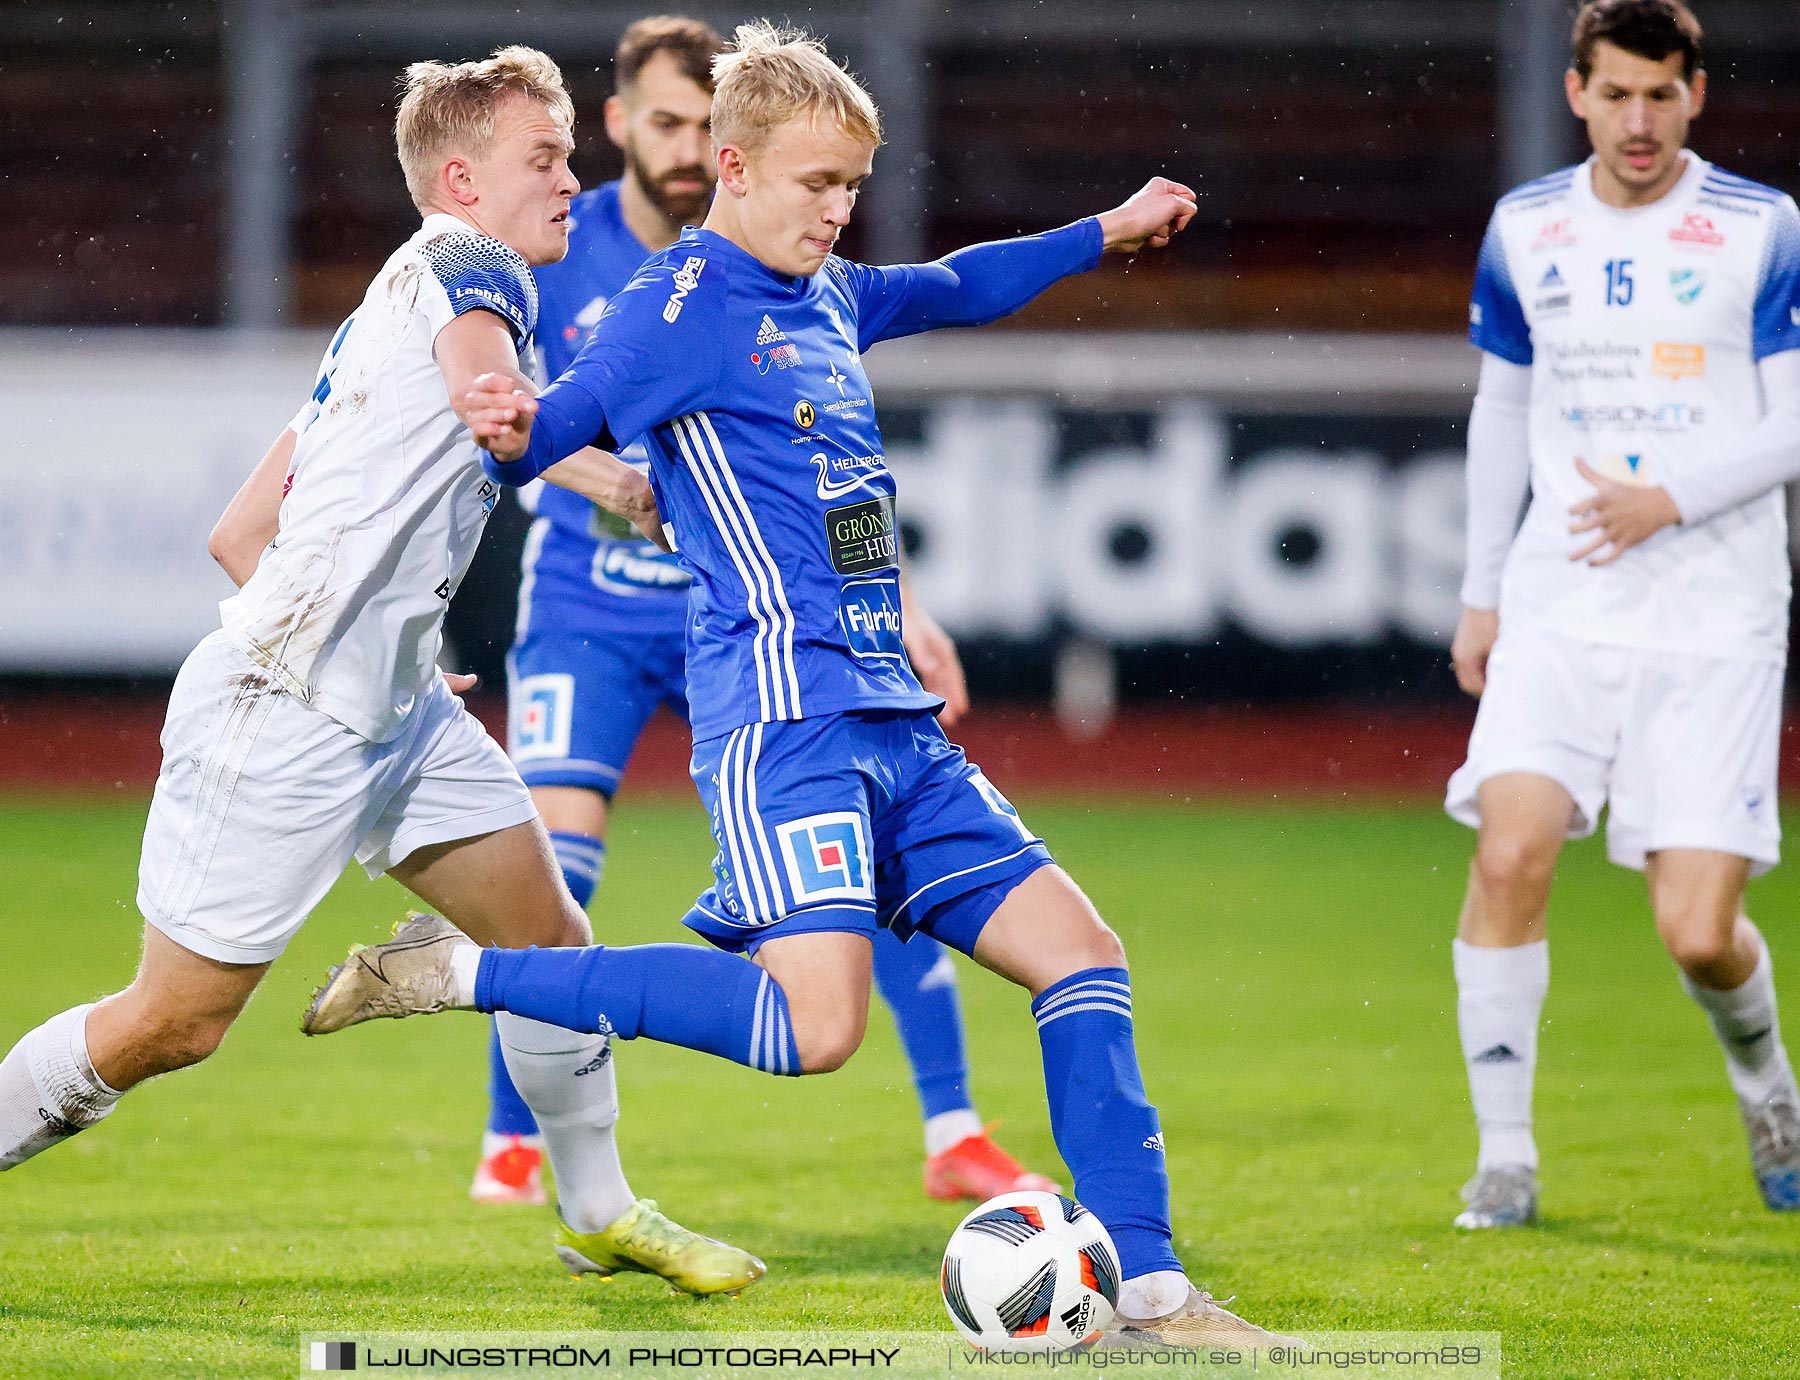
<point>1032,1272</point>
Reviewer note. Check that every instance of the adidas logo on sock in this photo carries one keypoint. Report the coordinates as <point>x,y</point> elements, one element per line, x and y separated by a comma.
<point>597,1063</point>
<point>1499,1054</point>
<point>1154,1143</point>
<point>770,333</point>
<point>1745,1041</point>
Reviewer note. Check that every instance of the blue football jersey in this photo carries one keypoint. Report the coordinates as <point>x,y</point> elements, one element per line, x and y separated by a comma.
<point>585,570</point>
<point>766,459</point>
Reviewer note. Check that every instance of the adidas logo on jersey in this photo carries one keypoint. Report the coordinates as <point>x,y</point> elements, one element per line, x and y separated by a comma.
<point>770,333</point>
<point>1154,1142</point>
<point>1554,294</point>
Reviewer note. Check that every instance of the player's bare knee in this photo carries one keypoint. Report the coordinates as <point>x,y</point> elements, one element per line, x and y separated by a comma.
<point>551,925</point>
<point>578,932</point>
<point>179,1040</point>
<point>1508,865</point>
<point>827,1039</point>
<point>827,1051</point>
<point>1698,942</point>
<point>1098,947</point>
<point>1091,946</point>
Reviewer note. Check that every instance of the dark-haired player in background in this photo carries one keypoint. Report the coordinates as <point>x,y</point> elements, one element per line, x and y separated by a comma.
<point>1639,318</point>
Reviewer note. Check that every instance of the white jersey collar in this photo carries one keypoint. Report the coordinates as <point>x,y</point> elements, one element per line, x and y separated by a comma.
<point>442,222</point>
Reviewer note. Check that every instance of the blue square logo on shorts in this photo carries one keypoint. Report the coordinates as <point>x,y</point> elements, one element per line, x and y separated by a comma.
<point>827,858</point>
<point>541,715</point>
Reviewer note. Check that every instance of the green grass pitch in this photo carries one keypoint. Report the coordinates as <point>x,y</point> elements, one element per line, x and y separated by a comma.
<point>1296,1019</point>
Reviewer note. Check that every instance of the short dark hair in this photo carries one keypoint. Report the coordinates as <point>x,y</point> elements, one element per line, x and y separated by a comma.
<point>1645,28</point>
<point>692,43</point>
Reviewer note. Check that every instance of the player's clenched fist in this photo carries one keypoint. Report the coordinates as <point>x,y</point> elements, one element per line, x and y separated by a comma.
<point>498,414</point>
<point>1156,213</point>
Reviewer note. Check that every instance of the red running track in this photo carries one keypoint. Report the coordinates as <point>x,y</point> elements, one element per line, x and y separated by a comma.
<point>93,740</point>
<point>108,741</point>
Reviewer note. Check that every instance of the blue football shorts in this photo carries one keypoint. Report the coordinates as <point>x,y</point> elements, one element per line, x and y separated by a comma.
<point>577,703</point>
<point>851,822</point>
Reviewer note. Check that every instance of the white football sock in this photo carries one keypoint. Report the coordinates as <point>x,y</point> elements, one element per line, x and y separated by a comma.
<point>48,1088</point>
<point>1499,995</point>
<point>1749,1030</point>
<point>566,1078</point>
<point>950,1128</point>
<point>465,962</point>
<point>1152,1295</point>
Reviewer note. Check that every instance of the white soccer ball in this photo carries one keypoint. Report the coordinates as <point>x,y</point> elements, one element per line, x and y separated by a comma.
<point>1030,1272</point>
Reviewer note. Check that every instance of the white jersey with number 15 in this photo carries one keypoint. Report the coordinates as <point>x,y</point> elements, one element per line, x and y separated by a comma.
<point>1643,329</point>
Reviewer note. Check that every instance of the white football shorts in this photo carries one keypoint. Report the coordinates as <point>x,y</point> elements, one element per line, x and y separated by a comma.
<point>1682,749</point>
<point>263,801</point>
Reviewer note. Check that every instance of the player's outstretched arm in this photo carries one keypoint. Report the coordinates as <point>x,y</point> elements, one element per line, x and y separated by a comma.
<point>985,282</point>
<point>253,517</point>
<point>655,354</point>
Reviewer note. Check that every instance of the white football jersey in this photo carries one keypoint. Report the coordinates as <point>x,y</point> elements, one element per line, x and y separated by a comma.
<point>1643,329</point>
<point>386,499</point>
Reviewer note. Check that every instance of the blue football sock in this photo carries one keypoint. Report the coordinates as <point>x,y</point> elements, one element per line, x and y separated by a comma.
<point>917,980</point>
<point>679,994</point>
<point>582,858</point>
<point>1104,1125</point>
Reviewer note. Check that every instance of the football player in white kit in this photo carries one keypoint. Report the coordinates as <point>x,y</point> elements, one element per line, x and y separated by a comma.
<point>1639,317</point>
<point>315,726</point>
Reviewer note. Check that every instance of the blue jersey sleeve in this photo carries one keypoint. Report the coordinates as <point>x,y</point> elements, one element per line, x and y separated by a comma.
<point>967,288</point>
<point>1776,325</point>
<point>1497,322</point>
<point>655,354</point>
<point>482,274</point>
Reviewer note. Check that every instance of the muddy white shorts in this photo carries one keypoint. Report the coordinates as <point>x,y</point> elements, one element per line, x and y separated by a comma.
<point>263,801</point>
<point>1682,749</point>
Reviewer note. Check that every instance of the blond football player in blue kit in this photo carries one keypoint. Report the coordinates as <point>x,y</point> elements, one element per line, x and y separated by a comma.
<point>603,613</point>
<point>1639,318</point>
<point>315,727</point>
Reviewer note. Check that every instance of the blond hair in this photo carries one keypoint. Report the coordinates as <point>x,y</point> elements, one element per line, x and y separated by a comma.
<point>770,75</point>
<point>450,106</point>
